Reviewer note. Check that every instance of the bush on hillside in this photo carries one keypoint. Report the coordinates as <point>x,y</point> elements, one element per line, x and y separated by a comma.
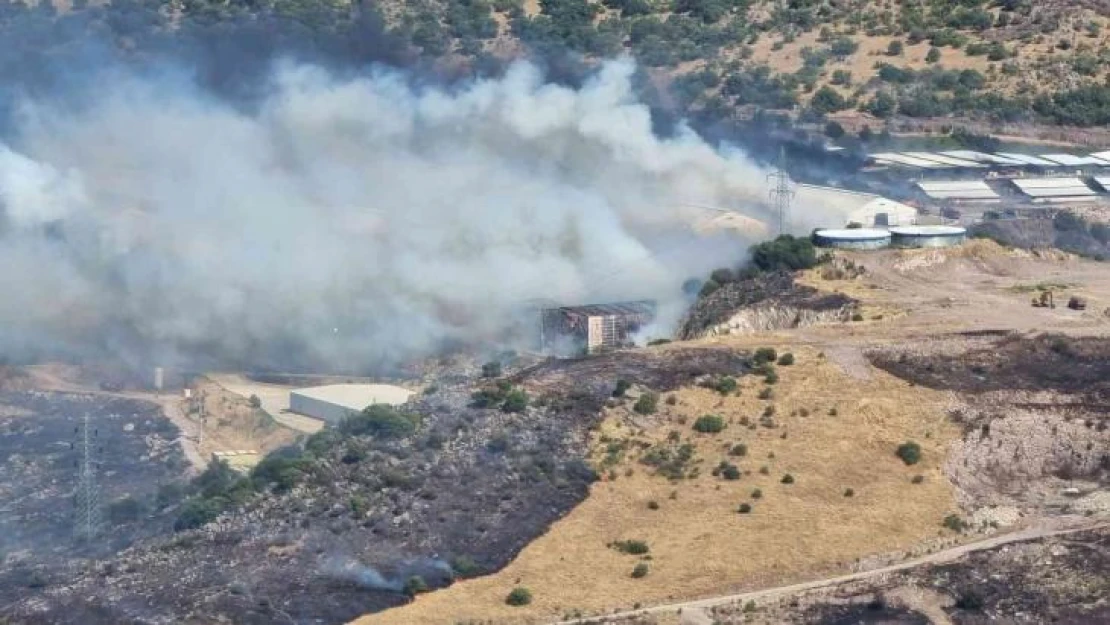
<point>380,420</point>
<point>784,252</point>
<point>519,596</point>
<point>647,404</point>
<point>909,452</point>
<point>709,424</point>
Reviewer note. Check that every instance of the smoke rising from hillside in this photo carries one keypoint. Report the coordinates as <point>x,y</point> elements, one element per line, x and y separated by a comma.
<point>345,222</point>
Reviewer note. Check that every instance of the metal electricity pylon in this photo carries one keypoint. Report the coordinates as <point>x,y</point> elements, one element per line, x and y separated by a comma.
<point>781,192</point>
<point>87,517</point>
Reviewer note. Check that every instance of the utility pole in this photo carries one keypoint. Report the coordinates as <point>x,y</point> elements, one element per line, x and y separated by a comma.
<point>87,523</point>
<point>781,193</point>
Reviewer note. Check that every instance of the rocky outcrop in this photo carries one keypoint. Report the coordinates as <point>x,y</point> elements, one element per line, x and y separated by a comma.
<point>766,302</point>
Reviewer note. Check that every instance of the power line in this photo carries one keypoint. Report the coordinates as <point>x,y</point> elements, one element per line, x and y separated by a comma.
<point>781,192</point>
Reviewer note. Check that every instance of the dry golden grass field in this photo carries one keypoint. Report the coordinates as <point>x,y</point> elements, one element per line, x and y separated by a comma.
<point>699,543</point>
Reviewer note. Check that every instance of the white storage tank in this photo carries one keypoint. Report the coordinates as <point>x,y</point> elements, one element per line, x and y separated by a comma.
<point>928,236</point>
<point>852,238</point>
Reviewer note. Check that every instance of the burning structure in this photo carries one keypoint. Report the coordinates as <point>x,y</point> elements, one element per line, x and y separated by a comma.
<point>587,329</point>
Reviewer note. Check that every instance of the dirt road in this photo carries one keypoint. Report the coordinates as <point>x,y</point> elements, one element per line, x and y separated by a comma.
<point>940,557</point>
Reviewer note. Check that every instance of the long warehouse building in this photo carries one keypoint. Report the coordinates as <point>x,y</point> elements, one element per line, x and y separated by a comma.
<point>335,402</point>
<point>1055,189</point>
<point>959,190</point>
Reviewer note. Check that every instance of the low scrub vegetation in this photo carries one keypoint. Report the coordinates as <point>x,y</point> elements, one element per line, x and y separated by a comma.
<point>909,452</point>
<point>630,547</point>
<point>709,424</point>
<point>519,596</point>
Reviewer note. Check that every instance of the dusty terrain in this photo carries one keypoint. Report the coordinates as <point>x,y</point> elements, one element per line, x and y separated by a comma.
<point>963,313</point>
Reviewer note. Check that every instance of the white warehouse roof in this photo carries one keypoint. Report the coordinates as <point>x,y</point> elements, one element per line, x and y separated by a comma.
<point>1103,181</point>
<point>1072,160</point>
<point>947,161</point>
<point>852,206</point>
<point>958,190</point>
<point>1026,159</point>
<point>894,158</point>
<point>1053,187</point>
<point>982,157</point>
<point>356,396</point>
<point>1102,156</point>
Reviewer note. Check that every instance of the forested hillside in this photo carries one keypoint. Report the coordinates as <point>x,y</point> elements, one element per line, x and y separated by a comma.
<point>1009,60</point>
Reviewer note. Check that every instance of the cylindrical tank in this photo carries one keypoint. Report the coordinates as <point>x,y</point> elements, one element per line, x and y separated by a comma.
<point>928,236</point>
<point>852,238</point>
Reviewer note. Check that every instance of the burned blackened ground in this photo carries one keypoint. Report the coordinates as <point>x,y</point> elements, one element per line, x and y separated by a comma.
<point>873,612</point>
<point>462,495</point>
<point>775,290</point>
<point>592,379</point>
<point>134,451</point>
<point>1064,580</point>
<point>1036,414</point>
<point>1079,366</point>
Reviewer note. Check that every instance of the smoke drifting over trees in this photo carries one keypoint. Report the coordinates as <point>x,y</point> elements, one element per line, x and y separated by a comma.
<point>344,221</point>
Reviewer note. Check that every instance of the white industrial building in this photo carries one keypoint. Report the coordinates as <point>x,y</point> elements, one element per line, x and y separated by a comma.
<point>335,402</point>
<point>1055,189</point>
<point>848,207</point>
<point>959,190</point>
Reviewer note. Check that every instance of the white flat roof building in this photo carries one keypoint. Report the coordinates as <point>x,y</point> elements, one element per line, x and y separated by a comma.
<point>970,190</point>
<point>1071,160</point>
<point>1026,159</point>
<point>865,209</point>
<point>1055,189</point>
<point>334,402</point>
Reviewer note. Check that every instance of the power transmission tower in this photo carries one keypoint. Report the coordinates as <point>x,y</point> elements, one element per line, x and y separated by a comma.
<point>88,495</point>
<point>781,192</point>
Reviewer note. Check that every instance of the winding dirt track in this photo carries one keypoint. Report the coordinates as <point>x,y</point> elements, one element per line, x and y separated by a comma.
<point>940,557</point>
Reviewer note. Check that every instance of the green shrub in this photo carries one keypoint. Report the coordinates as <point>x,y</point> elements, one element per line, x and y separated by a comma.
<point>464,566</point>
<point>757,494</point>
<point>788,479</point>
<point>515,401</point>
<point>255,402</point>
<point>415,585</point>
<point>954,523</point>
<point>767,393</point>
<point>765,470</point>
<point>631,547</point>
<point>728,471</point>
<point>764,355</point>
<point>725,385</point>
<point>745,508</point>
<point>738,450</point>
<point>909,452</point>
<point>917,479</point>
<point>709,424</point>
<point>653,505</point>
<point>848,492</point>
<point>647,404</point>
<point>197,512</point>
<point>519,596</point>
<point>622,386</point>
<point>786,252</point>
<point>491,369</point>
<point>786,359</point>
<point>380,420</point>
<point>772,377</point>
<point>640,570</point>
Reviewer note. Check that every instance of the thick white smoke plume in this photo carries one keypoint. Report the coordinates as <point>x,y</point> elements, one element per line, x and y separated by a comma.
<point>346,221</point>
